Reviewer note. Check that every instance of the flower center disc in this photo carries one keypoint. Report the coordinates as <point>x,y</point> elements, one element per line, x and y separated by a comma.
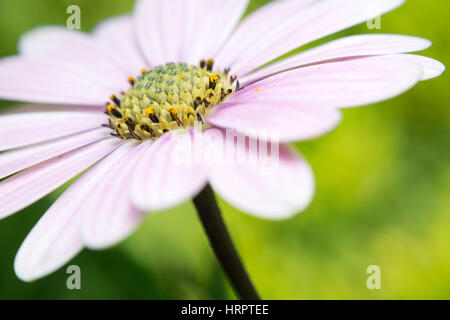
<point>168,97</point>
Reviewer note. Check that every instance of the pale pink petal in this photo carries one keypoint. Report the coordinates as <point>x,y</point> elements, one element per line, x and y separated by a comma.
<point>353,46</point>
<point>109,216</point>
<point>431,67</point>
<point>256,26</point>
<point>19,159</point>
<point>210,31</point>
<point>32,107</point>
<point>313,22</point>
<point>32,184</point>
<point>17,130</point>
<point>154,22</point>
<point>184,31</point>
<point>349,83</point>
<point>75,47</point>
<point>164,177</point>
<point>273,184</point>
<point>56,238</point>
<point>47,80</point>
<point>118,35</point>
<point>286,121</point>
<point>147,25</point>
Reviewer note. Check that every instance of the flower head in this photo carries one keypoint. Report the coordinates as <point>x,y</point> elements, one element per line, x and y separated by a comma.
<point>168,97</point>
<point>122,95</point>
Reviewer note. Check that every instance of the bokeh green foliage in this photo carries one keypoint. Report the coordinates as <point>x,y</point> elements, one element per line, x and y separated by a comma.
<point>382,198</point>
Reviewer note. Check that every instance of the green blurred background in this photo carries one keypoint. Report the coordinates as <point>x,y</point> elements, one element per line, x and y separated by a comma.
<point>382,198</point>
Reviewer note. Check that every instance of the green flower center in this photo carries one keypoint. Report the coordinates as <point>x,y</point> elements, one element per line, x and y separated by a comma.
<point>168,97</point>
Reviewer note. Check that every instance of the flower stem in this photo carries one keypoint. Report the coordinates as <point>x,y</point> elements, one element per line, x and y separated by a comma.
<point>221,242</point>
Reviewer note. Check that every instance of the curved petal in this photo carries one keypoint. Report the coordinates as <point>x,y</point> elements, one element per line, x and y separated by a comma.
<point>431,67</point>
<point>31,107</point>
<point>56,238</point>
<point>19,159</point>
<point>147,27</point>
<point>47,80</point>
<point>212,30</point>
<point>184,31</point>
<point>109,216</point>
<point>164,177</point>
<point>32,184</point>
<point>287,121</point>
<point>255,26</point>
<point>118,33</point>
<point>349,83</point>
<point>74,46</point>
<point>353,46</point>
<point>18,130</point>
<point>272,186</point>
<point>313,22</point>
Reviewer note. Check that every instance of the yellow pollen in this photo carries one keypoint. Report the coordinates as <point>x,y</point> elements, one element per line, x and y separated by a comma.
<point>210,63</point>
<point>130,79</point>
<point>110,107</point>
<point>144,71</point>
<point>181,76</point>
<point>173,111</point>
<point>149,111</point>
<point>257,89</point>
